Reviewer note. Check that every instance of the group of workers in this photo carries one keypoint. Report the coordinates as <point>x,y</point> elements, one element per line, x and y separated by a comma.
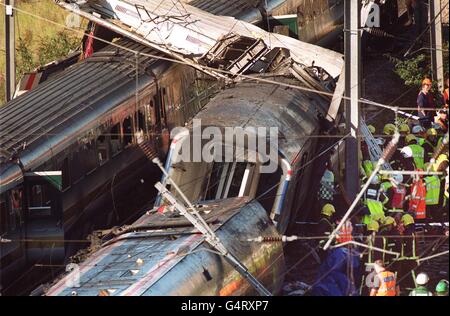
<point>415,193</point>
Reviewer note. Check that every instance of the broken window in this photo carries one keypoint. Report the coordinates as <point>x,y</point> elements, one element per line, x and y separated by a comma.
<point>127,128</point>
<point>116,145</point>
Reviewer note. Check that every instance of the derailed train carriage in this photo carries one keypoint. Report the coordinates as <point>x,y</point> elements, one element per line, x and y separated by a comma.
<point>69,157</point>
<point>314,21</point>
<point>162,254</point>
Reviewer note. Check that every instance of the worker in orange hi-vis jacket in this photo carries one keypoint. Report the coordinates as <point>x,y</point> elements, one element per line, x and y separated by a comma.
<point>417,199</point>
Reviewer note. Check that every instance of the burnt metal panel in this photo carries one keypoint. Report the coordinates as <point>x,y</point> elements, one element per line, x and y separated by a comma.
<point>292,111</point>
<point>182,258</point>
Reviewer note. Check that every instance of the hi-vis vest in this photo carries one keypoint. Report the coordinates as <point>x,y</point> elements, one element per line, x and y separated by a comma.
<point>417,203</point>
<point>433,185</point>
<point>398,197</point>
<point>418,156</point>
<point>387,284</point>
<point>376,210</point>
<point>345,233</point>
<point>368,167</point>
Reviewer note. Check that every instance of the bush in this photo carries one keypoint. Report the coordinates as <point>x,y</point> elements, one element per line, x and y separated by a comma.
<point>56,47</point>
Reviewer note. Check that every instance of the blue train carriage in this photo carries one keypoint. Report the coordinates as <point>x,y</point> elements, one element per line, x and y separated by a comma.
<point>69,154</point>
<point>264,204</point>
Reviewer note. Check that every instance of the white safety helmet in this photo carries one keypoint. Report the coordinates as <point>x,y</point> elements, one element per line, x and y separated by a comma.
<point>417,129</point>
<point>398,178</point>
<point>407,152</point>
<point>422,279</point>
<point>375,180</point>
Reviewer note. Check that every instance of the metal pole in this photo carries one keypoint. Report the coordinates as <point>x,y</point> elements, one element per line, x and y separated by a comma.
<point>387,154</point>
<point>214,241</point>
<point>352,90</point>
<point>10,50</point>
<point>437,58</point>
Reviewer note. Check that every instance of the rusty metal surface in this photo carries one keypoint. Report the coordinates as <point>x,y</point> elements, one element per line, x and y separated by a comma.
<point>151,262</point>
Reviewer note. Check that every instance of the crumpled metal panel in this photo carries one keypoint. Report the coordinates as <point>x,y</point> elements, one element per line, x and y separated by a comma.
<point>189,31</point>
<point>153,264</point>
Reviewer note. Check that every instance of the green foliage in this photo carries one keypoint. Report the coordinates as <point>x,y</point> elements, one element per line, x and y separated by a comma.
<point>54,47</point>
<point>25,62</point>
<point>416,68</point>
<point>412,70</point>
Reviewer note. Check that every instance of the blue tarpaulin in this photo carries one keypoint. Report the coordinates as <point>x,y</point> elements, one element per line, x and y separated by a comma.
<point>334,277</point>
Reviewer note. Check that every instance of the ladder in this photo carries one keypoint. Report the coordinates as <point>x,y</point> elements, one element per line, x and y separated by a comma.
<point>375,151</point>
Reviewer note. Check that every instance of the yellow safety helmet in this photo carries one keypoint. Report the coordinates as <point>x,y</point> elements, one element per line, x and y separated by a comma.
<point>407,220</point>
<point>328,210</point>
<point>410,138</point>
<point>389,129</point>
<point>404,128</point>
<point>373,226</point>
<point>372,129</point>
<point>432,132</point>
<point>389,220</point>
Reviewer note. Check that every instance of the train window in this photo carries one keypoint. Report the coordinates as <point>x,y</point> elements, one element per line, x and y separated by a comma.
<point>89,157</point>
<point>127,127</point>
<point>15,210</point>
<point>102,149</point>
<point>65,173</point>
<point>140,123</point>
<point>76,166</point>
<point>3,215</point>
<point>40,202</point>
<point>152,117</point>
<point>226,180</point>
<point>267,189</point>
<point>116,145</point>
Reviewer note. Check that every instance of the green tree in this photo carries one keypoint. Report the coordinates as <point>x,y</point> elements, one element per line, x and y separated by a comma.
<point>55,47</point>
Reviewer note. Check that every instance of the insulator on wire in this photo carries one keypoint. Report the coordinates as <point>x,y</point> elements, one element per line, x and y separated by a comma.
<point>390,149</point>
<point>378,32</point>
<point>269,239</point>
<point>148,150</point>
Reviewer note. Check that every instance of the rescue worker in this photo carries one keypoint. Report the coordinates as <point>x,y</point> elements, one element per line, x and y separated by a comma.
<point>389,238</point>
<point>441,121</point>
<point>418,153</point>
<point>326,190</point>
<point>407,162</point>
<point>387,283</point>
<point>326,225</point>
<point>420,134</point>
<point>345,233</point>
<point>395,190</point>
<point>430,143</point>
<point>442,288</point>
<point>408,230</point>
<point>425,103</point>
<point>422,281</point>
<point>374,198</point>
<point>432,197</point>
<point>417,199</point>
<point>372,240</point>
<point>445,94</point>
<point>389,129</point>
<point>404,130</point>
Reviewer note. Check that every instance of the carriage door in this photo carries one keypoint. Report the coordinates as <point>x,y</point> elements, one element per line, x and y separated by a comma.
<point>44,218</point>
